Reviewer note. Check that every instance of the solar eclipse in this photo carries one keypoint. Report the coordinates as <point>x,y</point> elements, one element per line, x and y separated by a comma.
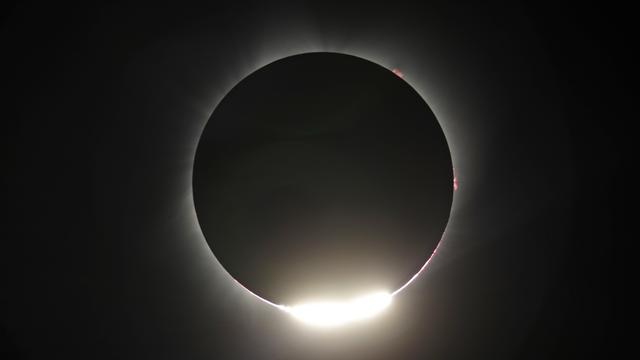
<point>344,173</point>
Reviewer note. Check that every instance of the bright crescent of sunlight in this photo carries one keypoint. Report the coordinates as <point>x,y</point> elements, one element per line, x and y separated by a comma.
<point>336,313</point>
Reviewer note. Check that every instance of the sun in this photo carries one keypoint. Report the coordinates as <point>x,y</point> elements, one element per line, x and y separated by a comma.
<point>318,311</point>
<point>336,313</point>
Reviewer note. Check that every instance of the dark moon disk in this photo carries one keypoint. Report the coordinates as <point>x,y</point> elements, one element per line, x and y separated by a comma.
<point>322,175</point>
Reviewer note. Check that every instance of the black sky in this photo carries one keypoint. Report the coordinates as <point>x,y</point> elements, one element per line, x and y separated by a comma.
<point>104,106</point>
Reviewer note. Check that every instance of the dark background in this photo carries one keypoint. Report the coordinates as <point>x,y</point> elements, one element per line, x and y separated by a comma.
<point>103,105</point>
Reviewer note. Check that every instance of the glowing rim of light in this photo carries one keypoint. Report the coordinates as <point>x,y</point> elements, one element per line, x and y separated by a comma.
<point>336,313</point>
<point>333,313</point>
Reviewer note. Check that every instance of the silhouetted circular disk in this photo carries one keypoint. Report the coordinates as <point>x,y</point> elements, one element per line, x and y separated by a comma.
<point>322,175</point>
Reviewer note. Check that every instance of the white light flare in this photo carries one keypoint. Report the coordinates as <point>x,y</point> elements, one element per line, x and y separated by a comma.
<point>336,313</point>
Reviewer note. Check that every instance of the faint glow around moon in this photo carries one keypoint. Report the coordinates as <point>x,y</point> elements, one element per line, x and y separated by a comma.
<point>336,313</point>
